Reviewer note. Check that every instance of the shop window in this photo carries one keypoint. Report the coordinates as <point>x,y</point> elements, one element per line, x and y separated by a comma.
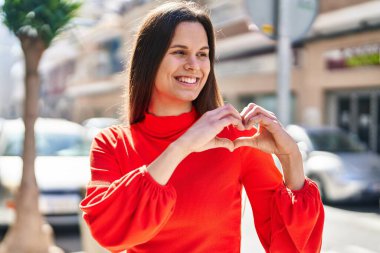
<point>344,113</point>
<point>378,124</point>
<point>113,48</point>
<point>364,119</point>
<point>359,113</point>
<point>109,60</point>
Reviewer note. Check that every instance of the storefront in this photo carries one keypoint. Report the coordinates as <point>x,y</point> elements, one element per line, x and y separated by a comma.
<point>357,111</point>
<point>335,78</point>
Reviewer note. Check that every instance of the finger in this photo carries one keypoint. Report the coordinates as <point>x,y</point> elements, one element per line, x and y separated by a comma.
<point>220,109</point>
<point>246,109</point>
<point>230,120</point>
<point>222,112</point>
<point>227,110</point>
<point>251,122</point>
<point>253,109</point>
<point>273,126</point>
<point>235,122</point>
<point>240,126</point>
<point>258,111</point>
<point>245,142</point>
<point>210,115</point>
<point>220,143</point>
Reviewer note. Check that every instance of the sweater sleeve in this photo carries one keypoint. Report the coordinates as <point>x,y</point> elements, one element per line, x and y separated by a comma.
<point>123,210</point>
<point>286,221</point>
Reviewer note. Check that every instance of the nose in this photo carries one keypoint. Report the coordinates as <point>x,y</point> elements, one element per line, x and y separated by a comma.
<point>191,64</point>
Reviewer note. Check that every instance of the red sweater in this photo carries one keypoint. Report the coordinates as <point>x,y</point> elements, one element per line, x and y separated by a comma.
<point>199,210</point>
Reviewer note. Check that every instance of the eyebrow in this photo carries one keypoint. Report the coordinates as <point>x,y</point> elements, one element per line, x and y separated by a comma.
<point>185,47</point>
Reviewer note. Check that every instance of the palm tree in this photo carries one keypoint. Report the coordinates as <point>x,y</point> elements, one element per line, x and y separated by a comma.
<point>35,23</point>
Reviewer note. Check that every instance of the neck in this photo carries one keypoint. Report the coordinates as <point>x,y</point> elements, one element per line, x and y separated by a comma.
<point>159,109</point>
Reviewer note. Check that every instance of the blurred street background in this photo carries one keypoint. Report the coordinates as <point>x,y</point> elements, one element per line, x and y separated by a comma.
<point>334,108</point>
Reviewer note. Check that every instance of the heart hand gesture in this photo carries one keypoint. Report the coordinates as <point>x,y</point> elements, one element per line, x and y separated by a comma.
<point>203,134</point>
<point>271,137</point>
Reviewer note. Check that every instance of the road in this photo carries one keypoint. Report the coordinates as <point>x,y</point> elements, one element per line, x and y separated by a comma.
<point>348,229</point>
<point>352,231</point>
<point>68,239</point>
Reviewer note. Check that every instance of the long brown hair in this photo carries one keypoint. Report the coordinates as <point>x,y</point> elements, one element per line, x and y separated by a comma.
<point>152,41</point>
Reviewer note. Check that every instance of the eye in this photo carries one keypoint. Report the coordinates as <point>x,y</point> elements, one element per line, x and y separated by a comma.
<point>179,52</point>
<point>203,55</point>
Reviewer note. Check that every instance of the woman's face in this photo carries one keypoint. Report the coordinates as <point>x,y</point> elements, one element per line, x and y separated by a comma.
<point>183,70</point>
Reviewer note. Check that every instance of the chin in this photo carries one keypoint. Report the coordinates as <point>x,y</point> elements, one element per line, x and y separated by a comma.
<point>190,98</point>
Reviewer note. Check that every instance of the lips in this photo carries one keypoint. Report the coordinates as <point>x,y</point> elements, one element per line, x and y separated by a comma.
<point>187,80</point>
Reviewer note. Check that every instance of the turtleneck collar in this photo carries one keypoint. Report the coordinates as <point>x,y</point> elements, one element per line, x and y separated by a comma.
<point>168,126</point>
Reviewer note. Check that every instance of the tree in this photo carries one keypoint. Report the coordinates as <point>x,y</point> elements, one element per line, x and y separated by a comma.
<point>36,23</point>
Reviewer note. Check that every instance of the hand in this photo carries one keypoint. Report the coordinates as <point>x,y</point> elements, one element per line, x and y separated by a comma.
<point>271,136</point>
<point>202,135</point>
<point>199,137</point>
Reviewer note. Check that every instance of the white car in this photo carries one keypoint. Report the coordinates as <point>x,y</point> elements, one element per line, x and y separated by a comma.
<point>95,125</point>
<point>61,167</point>
<point>344,169</point>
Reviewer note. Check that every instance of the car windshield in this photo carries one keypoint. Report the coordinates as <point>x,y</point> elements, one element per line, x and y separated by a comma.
<point>49,144</point>
<point>100,122</point>
<point>335,141</point>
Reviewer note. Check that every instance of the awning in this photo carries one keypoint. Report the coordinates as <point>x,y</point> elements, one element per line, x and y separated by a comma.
<point>334,22</point>
<point>349,18</point>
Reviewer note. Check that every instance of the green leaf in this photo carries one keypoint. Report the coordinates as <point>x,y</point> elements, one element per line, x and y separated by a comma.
<point>42,18</point>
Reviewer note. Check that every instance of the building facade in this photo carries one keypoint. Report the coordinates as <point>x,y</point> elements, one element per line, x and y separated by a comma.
<point>335,76</point>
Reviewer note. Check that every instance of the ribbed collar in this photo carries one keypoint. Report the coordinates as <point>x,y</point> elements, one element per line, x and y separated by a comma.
<point>168,126</point>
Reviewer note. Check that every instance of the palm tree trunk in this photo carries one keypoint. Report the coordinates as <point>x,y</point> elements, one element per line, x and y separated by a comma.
<point>29,233</point>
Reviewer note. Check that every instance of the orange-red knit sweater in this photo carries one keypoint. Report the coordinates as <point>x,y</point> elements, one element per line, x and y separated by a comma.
<point>199,210</point>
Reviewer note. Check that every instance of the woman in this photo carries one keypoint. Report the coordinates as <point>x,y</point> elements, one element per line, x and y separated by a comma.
<point>172,180</point>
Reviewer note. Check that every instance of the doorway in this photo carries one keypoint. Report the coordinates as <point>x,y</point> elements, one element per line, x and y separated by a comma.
<point>358,112</point>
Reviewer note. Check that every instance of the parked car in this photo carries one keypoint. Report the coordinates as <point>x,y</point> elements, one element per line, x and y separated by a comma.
<point>61,167</point>
<point>94,125</point>
<point>100,122</point>
<point>1,124</point>
<point>344,169</point>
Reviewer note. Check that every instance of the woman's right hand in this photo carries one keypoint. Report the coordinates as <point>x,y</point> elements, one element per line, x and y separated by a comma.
<point>203,134</point>
<point>199,137</point>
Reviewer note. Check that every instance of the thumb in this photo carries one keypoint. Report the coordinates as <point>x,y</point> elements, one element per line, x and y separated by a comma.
<point>221,143</point>
<point>245,141</point>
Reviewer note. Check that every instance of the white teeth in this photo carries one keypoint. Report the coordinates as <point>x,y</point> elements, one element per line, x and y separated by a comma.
<point>190,80</point>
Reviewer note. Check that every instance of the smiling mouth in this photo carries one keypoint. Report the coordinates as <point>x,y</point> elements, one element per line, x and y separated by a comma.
<point>187,80</point>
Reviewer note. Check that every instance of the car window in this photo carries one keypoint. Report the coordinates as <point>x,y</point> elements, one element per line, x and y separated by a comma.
<point>335,141</point>
<point>100,122</point>
<point>300,137</point>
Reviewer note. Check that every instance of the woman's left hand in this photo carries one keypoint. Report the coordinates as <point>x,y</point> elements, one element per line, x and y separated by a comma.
<point>272,138</point>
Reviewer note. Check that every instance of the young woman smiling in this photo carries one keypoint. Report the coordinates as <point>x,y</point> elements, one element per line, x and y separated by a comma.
<point>171,180</point>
